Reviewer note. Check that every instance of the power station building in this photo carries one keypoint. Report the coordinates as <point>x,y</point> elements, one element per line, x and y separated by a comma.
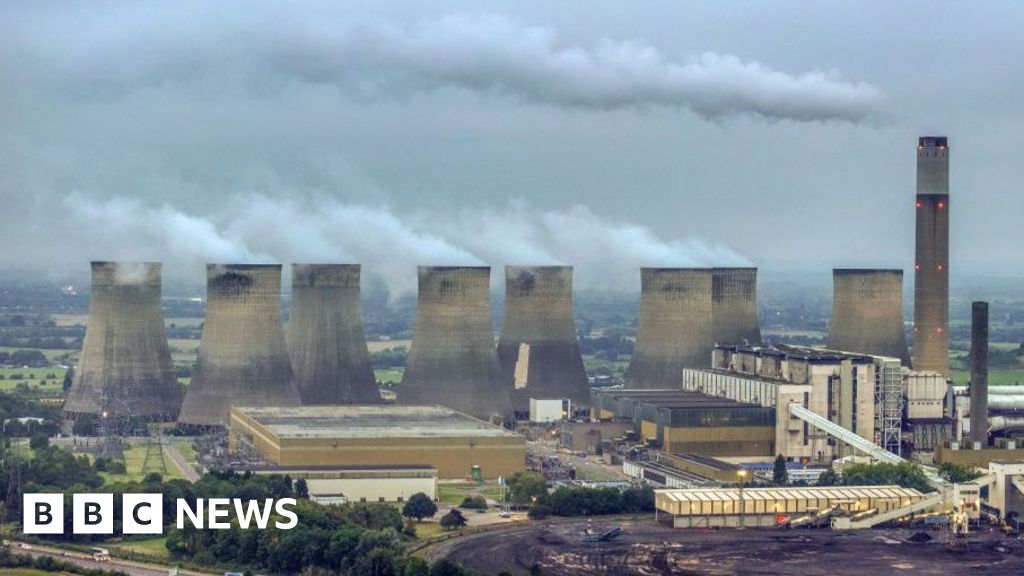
<point>326,341</point>
<point>346,437</point>
<point>452,359</point>
<point>931,264</point>
<point>839,386</point>
<point>242,359</point>
<point>538,349</point>
<point>680,421</point>
<point>125,369</point>
<point>867,313</point>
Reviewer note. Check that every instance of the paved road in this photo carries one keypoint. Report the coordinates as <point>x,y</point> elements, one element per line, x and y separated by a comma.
<point>115,564</point>
<point>190,473</point>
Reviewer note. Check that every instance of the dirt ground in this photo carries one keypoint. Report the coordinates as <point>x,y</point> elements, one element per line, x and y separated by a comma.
<point>647,548</point>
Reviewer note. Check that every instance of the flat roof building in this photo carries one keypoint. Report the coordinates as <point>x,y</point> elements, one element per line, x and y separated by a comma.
<point>682,421</point>
<point>353,436</point>
<point>702,507</point>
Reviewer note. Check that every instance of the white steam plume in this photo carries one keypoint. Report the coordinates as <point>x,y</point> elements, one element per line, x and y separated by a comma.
<point>370,59</point>
<point>606,254</point>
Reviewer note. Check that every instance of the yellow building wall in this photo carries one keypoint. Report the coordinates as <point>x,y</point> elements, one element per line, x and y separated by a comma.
<point>648,430</point>
<point>721,441</point>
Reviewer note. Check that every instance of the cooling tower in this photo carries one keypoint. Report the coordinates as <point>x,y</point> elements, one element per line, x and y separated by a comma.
<point>538,314</point>
<point>979,372</point>
<point>734,306</point>
<point>242,360</point>
<point>452,360</point>
<point>326,341</point>
<point>867,313</point>
<point>931,266</point>
<point>675,327</point>
<point>125,365</point>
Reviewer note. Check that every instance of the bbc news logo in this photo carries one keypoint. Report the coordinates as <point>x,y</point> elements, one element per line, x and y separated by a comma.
<point>144,513</point>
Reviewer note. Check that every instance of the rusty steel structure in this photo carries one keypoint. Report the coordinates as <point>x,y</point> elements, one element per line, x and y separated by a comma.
<point>326,341</point>
<point>675,327</point>
<point>734,306</point>
<point>867,313</point>
<point>452,359</point>
<point>125,367</point>
<point>243,360</point>
<point>979,372</point>
<point>538,349</point>
<point>931,264</point>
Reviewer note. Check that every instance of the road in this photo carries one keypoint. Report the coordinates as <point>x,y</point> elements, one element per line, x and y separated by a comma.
<point>116,564</point>
<point>190,473</point>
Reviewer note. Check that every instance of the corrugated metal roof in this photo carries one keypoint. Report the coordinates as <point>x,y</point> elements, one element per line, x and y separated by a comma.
<point>787,493</point>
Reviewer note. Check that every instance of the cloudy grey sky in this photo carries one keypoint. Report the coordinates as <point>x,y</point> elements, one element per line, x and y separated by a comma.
<point>606,134</point>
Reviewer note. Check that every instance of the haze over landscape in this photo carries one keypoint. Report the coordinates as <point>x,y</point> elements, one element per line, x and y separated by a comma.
<point>408,134</point>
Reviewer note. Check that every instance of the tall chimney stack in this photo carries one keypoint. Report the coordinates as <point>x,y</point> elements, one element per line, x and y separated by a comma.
<point>538,333</point>
<point>675,326</point>
<point>734,306</point>
<point>931,265</point>
<point>326,342</point>
<point>452,360</point>
<point>867,313</point>
<point>243,360</point>
<point>979,372</point>
<point>126,364</point>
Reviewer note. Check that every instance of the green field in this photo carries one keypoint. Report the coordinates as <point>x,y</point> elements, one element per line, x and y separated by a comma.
<point>133,459</point>
<point>452,494</point>
<point>995,377</point>
<point>31,377</point>
<point>393,375</point>
<point>52,353</point>
<point>153,548</point>
<point>187,450</point>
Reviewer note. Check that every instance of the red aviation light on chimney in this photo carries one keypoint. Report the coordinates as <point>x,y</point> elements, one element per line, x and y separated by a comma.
<point>917,266</point>
<point>939,267</point>
<point>942,205</point>
<point>917,204</point>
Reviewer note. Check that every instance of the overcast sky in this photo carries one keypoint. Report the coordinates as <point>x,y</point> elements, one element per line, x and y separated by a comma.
<point>603,134</point>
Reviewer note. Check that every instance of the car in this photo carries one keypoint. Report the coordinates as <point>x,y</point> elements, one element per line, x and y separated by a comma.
<point>505,514</point>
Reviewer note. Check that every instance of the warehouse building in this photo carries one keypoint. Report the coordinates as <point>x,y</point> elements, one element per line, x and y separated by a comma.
<point>456,444</point>
<point>690,508</point>
<point>681,421</point>
<point>330,485</point>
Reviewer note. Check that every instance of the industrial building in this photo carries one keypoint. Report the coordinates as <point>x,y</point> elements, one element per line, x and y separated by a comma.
<point>326,342</point>
<point>681,421</point>
<point>675,327</point>
<point>867,313</point>
<point>125,368</point>
<point>931,263</point>
<point>329,485</point>
<point>692,508</point>
<point>355,436</point>
<point>836,385</point>
<point>538,349</point>
<point>452,359</point>
<point>242,359</point>
<point>591,437</point>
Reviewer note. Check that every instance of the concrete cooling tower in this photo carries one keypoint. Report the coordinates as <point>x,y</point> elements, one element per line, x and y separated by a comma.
<point>326,341</point>
<point>734,306</point>
<point>242,360</point>
<point>675,328</point>
<point>931,264</point>
<point>125,365</point>
<point>538,335</point>
<point>452,360</point>
<point>867,313</point>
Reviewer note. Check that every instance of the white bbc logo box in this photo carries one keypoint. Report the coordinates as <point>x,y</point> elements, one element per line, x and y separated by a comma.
<point>92,514</point>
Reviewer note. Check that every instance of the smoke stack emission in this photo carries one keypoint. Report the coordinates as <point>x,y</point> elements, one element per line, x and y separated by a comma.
<point>979,372</point>
<point>242,360</point>
<point>734,306</point>
<point>538,314</point>
<point>326,341</point>
<point>452,360</point>
<point>867,313</point>
<point>931,266</point>
<point>125,365</point>
<point>675,327</point>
